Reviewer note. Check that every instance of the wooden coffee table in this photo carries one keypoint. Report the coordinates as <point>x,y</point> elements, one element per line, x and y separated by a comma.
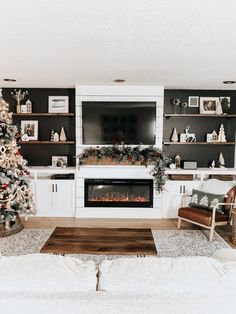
<point>122,241</point>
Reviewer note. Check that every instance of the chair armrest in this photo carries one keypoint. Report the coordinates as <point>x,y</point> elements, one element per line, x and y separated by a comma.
<point>215,207</point>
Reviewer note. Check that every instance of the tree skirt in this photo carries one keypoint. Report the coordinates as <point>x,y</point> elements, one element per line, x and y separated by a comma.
<point>169,243</point>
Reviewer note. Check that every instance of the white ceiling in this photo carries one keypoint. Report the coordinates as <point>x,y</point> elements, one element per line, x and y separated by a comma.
<point>61,43</point>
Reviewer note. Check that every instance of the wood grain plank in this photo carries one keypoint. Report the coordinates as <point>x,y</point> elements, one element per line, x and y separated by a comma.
<point>124,241</point>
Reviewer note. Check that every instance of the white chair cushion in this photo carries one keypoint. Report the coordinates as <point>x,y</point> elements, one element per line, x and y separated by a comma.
<point>216,186</point>
<point>160,274</point>
<point>46,273</point>
<point>225,255</point>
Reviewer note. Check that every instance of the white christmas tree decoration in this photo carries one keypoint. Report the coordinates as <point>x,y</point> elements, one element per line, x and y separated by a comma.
<point>219,108</point>
<point>62,135</point>
<point>221,161</point>
<point>221,135</point>
<point>204,201</point>
<point>15,194</point>
<point>194,199</point>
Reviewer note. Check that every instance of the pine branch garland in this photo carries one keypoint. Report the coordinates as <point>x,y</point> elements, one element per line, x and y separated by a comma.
<point>146,156</point>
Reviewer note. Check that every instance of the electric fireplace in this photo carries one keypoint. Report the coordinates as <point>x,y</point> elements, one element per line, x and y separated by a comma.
<point>118,193</point>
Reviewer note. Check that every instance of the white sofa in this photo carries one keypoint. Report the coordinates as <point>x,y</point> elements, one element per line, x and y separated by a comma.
<point>42,283</point>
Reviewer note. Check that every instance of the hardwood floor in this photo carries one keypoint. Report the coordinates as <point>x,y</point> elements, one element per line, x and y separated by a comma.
<point>156,224</point>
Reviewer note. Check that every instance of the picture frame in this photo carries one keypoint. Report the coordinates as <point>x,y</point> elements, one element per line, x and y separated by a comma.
<point>60,161</point>
<point>222,97</point>
<point>30,128</point>
<point>193,101</point>
<point>208,105</point>
<point>58,104</point>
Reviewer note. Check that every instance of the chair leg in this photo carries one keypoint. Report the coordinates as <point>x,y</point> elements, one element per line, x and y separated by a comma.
<point>179,223</point>
<point>211,232</point>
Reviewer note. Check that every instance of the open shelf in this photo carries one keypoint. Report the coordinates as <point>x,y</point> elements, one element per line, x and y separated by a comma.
<point>198,143</point>
<point>46,142</point>
<point>169,115</point>
<point>41,114</point>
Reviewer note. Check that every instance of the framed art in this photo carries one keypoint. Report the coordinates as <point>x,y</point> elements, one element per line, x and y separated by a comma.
<point>30,128</point>
<point>193,101</point>
<point>58,104</point>
<point>208,105</point>
<point>60,161</point>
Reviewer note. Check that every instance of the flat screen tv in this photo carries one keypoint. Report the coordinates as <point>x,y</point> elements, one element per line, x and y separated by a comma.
<point>119,123</point>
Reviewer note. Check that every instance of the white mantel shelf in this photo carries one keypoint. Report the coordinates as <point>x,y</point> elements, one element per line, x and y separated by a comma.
<point>50,170</point>
<point>203,171</point>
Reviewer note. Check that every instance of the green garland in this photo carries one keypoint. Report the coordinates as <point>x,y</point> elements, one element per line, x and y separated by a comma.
<point>146,156</point>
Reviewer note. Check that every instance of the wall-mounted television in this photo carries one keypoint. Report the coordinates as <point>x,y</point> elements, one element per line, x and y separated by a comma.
<point>118,123</point>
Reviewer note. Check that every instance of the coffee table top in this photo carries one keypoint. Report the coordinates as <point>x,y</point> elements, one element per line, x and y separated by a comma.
<point>121,241</point>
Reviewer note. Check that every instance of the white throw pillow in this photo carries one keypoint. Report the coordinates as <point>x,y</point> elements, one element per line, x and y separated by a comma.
<point>46,273</point>
<point>217,187</point>
<point>161,274</point>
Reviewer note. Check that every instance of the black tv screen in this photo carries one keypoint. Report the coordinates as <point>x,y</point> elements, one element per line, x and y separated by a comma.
<point>119,123</point>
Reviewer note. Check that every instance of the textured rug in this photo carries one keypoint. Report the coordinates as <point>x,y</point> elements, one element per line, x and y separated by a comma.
<point>171,243</point>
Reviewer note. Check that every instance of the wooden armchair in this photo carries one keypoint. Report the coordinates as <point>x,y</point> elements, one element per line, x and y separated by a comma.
<point>207,218</point>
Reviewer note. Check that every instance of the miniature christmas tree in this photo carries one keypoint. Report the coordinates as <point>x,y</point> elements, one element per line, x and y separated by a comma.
<point>15,194</point>
<point>221,161</point>
<point>219,108</point>
<point>221,136</point>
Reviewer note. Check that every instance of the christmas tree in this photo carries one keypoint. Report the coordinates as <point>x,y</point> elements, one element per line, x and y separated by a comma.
<point>221,136</point>
<point>15,193</point>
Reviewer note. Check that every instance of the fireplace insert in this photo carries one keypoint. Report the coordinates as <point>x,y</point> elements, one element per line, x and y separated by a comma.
<point>118,193</point>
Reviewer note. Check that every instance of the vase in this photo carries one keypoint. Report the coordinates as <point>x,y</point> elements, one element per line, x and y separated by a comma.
<point>9,228</point>
<point>18,109</point>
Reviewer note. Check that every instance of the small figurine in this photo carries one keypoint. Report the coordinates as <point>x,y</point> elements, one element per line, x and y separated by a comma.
<point>219,110</point>
<point>52,135</point>
<point>221,161</point>
<point>221,136</point>
<point>177,161</point>
<point>187,137</point>
<point>214,136</point>
<point>25,137</point>
<point>28,104</point>
<point>213,164</point>
<point>62,135</point>
<point>56,137</point>
<point>174,136</point>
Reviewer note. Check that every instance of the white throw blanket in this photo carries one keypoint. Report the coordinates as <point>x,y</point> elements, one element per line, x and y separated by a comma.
<point>117,303</point>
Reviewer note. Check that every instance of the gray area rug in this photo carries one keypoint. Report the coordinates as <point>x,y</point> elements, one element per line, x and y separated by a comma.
<point>171,243</point>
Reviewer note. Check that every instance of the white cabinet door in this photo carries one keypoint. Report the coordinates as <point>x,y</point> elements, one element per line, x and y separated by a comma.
<point>64,198</point>
<point>171,196</point>
<point>55,198</point>
<point>44,197</point>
